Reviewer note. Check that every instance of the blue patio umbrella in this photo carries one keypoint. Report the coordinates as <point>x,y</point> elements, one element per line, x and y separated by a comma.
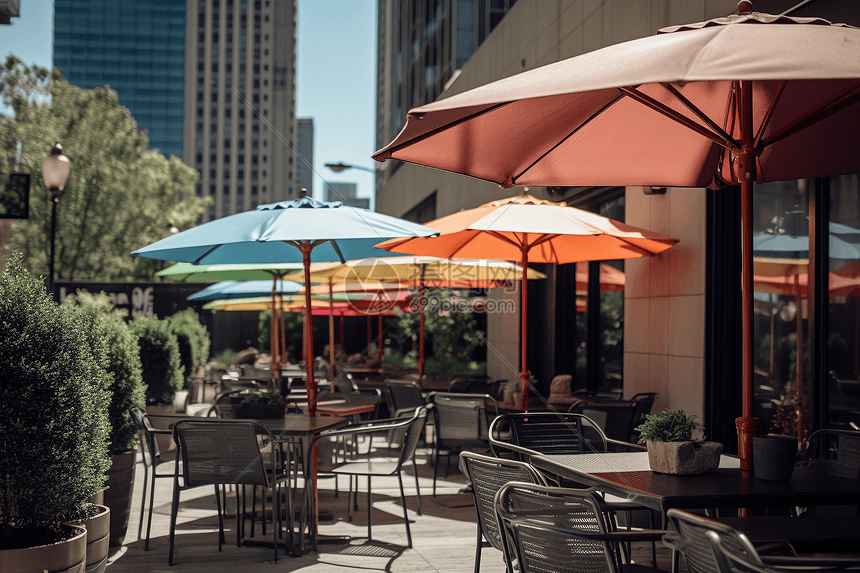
<point>302,230</point>
<point>226,290</point>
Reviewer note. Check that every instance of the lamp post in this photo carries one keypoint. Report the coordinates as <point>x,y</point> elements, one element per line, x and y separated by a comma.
<point>340,166</point>
<point>55,172</point>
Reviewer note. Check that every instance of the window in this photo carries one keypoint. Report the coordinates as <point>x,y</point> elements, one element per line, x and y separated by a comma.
<point>213,128</point>
<point>212,174</point>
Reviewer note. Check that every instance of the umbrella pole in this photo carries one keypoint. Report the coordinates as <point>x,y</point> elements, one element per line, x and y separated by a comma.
<point>311,384</point>
<point>283,334</point>
<point>369,331</point>
<point>745,170</point>
<point>421,330</point>
<point>524,305</point>
<point>798,398</point>
<point>379,344</point>
<point>331,353</point>
<point>342,323</point>
<point>273,333</point>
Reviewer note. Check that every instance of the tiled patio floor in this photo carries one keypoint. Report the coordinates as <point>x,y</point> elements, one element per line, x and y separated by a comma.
<point>443,537</point>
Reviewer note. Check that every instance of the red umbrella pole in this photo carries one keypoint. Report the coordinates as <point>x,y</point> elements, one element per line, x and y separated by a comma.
<point>745,168</point>
<point>369,332</point>
<point>798,398</point>
<point>524,306</point>
<point>379,344</point>
<point>331,352</point>
<point>421,329</point>
<point>311,385</point>
<point>273,329</point>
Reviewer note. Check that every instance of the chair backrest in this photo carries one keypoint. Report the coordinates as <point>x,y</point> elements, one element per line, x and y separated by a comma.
<point>226,404</point>
<point>412,435</point>
<point>730,559</point>
<point>547,529</point>
<point>840,447</point>
<point>488,475</point>
<point>615,417</point>
<point>545,433</point>
<point>222,452</point>
<point>404,396</point>
<point>690,540</point>
<point>148,445</point>
<point>644,402</point>
<point>462,419</point>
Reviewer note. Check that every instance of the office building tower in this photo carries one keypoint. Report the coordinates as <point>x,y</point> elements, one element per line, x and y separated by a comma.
<point>421,46</point>
<point>305,155</point>
<point>346,192</point>
<point>240,131</point>
<point>136,48</point>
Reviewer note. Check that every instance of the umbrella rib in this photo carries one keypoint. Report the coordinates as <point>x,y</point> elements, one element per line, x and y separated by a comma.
<point>727,139</point>
<point>835,104</point>
<point>204,255</point>
<point>675,116</point>
<point>389,153</point>
<point>769,115</point>
<point>513,180</point>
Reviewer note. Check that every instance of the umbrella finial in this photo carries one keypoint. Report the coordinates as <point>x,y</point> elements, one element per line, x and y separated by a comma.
<point>745,7</point>
<point>303,192</point>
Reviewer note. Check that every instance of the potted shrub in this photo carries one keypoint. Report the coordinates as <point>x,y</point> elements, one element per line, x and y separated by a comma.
<point>126,393</point>
<point>193,342</point>
<point>159,359</point>
<point>53,426</point>
<point>262,405</point>
<point>676,443</point>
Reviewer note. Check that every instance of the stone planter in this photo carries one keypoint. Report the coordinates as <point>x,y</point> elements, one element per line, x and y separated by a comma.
<point>67,556</point>
<point>118,496</point>
<point>774,457</point>
<point>684,458</point>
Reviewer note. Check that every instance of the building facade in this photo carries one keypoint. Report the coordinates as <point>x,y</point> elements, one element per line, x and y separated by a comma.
<point>675,326</point>
<point>136,48</point>
<point>346,192</point>
<point>305,152</point>
<point>240,80</point>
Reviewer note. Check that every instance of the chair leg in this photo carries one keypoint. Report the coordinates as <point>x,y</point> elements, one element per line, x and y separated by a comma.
<point>174,509</point>
<point>435,468</point>
<point>405,513</point>
<point>478,546</point>
<point>143,505</point>
<point>221,539</point>
<point>240,513</point>
<point>276,514</point>
<point>369,505</point>
<point>151,500</point>
<point>417,489</point>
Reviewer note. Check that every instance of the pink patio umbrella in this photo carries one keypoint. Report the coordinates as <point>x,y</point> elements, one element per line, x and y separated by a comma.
<point>745,99</point>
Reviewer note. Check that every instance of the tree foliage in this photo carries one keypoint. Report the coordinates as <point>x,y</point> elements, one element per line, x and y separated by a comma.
<point>120,195</point>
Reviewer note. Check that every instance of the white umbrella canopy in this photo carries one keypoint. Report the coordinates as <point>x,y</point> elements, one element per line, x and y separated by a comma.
<point>745,99</point>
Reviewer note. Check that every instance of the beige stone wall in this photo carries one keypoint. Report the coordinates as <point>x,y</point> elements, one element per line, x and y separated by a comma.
<point>664,298</point>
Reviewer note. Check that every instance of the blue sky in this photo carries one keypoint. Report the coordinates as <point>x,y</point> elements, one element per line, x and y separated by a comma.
<point>335,77</point>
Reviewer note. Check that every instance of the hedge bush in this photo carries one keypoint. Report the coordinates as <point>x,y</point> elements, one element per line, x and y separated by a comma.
<point>193,340</point>
<point>53,412</point>
<point>159,359</point>
<point>127,390</point>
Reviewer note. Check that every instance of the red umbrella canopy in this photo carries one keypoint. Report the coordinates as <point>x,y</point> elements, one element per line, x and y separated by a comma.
<point>660,110</point>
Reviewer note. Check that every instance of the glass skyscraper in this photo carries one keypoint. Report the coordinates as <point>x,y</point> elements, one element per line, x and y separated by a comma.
<point>138,49</point>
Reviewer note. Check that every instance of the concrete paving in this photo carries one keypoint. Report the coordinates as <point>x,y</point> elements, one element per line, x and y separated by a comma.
<point>443,537</point>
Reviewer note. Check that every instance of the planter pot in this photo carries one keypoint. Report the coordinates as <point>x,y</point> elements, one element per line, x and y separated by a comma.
<point>98,536</point>
<point>774,457</point>
<point>118,496</point>
<point>684,458</point>
<point>67,556</point>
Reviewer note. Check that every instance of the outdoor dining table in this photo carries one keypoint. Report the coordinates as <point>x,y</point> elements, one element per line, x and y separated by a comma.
<point>627,475</point>
<point>805,534</point>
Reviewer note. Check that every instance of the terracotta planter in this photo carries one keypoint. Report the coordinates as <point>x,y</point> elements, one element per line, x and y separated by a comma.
<point>118,496</point>
<point>98,536</point>
<point>67,556</point>
<point>684,458</point>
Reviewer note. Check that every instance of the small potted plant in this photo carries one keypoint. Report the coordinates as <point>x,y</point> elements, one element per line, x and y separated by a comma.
<point>676,443</point>
<point>262,405</point>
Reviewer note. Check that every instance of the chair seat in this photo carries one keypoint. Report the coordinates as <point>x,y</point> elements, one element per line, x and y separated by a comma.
<point>367,467</point>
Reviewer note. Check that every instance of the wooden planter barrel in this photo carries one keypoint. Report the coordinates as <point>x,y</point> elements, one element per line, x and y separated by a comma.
<point>118,496</point>
<point>67,556</point>
<point>98,536</point>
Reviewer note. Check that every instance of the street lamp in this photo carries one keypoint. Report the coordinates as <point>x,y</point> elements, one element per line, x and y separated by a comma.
<point>55,172</point>
<point>340,166</point>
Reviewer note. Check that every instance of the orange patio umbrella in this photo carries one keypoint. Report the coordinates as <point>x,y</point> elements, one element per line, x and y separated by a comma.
<point>525,229</point>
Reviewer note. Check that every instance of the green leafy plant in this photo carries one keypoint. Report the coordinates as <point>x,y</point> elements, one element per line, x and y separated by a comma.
<point>53,412</point>
<point>268,397</point>
<point>669,426</point>
<point>192,339</point>
<point>126,386</point>
<point>159,359</point>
